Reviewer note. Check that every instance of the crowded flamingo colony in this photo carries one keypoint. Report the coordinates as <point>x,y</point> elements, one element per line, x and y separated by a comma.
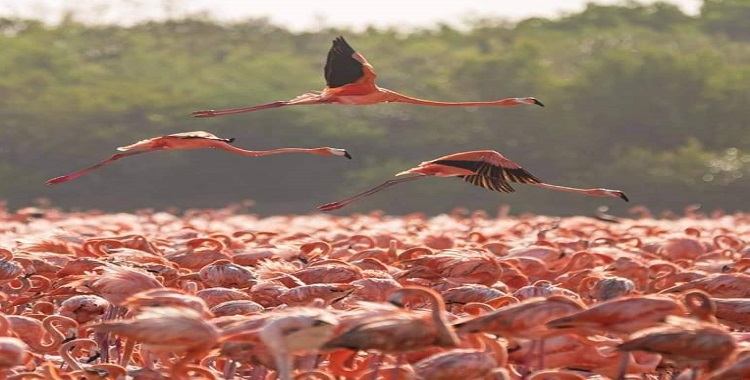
<point>223,294</point>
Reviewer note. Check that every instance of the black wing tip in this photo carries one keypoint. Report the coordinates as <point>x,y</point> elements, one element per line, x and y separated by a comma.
<point>340,44</point>
<point>522,175</point>
<point>339,41</point>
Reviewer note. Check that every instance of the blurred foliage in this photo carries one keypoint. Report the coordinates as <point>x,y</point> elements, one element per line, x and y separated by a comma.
<point>642,98</point>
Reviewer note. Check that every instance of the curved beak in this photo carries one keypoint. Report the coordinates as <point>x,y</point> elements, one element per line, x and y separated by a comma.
<point>625,197</point>
<point>347,155</point>
<point>537,102</point>
<point>321,322</point>
<point>396,303</point>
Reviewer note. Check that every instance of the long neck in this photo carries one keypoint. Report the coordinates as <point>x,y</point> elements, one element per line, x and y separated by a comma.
<point>395,97</point>
<point>594,192</point>
<point>255,153</point>
<point>446,336</point>
<point>573,262</point>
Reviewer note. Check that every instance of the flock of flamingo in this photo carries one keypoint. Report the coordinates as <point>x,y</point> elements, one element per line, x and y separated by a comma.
<point>223,294</point>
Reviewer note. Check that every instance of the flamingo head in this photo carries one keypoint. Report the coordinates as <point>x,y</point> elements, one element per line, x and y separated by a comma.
<point>339,152</point>
<point>530,100</point>
<point>610,193</point>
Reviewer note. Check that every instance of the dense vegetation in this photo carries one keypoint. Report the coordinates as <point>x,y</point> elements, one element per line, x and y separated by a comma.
<point>642,98</point>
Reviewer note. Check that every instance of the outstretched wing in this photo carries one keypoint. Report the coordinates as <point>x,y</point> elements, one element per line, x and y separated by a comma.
<point>489,176</point>
<point>143,144</point>
<point>155,142</point>
<point>341,68</point>
<point>200,135</point>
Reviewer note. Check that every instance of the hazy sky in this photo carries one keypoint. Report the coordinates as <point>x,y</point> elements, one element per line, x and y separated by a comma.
<point>306,14</point>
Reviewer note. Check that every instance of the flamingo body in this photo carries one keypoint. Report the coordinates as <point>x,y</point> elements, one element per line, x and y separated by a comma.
<point>400,331</point>
<point>526,319</point>
<point>621,316</point>
<point>484,168</point>
<point>685,343</point>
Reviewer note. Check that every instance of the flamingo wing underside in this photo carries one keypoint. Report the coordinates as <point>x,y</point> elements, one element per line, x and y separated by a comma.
<point>341,68</point>
<point>491,177</point>
<point>489,183</point>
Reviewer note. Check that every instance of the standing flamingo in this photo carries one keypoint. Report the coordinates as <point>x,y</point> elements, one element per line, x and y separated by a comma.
<point>167,330</point>
<point>695,344</point>
<point>193,140</point>
<point>403,330</point>
<point>620,316</point>
<point>485,168</point>
<point>350,80</point>
<point>298,330</point>
<point>400,331</point>
<point>523,320</point>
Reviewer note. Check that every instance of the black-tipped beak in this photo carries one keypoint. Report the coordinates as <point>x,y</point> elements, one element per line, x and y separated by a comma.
<point>625,197</point>
<point>230,140</point>
<point>537,102</point>
<point>396,302</point>
<point>320,322</point>
<point>347,155</point>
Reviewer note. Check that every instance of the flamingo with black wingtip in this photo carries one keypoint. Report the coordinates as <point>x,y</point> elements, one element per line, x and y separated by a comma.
<point>350,80</point>
<point>485,168</point>
<point>193,140</point>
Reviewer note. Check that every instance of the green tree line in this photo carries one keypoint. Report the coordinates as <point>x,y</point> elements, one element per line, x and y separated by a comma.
<point>641,98</point>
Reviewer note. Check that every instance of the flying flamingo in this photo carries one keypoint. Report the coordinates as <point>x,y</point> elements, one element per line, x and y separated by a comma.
<point>350,80</point>
<point>193,140</point>
<point>485,168</point>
